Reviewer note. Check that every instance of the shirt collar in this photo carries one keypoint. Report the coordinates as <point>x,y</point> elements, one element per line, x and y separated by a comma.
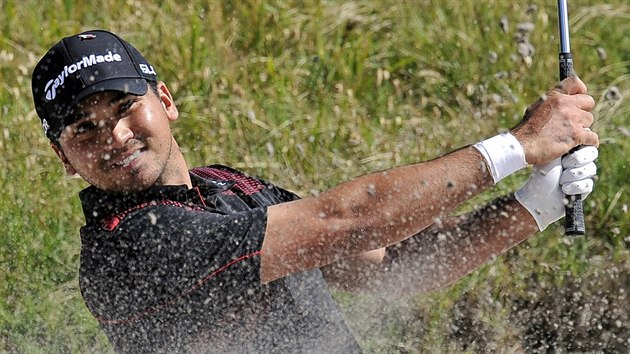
<point>98,204</point>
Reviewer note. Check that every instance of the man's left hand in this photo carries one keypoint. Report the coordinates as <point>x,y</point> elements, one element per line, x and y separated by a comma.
<point>543,195</point>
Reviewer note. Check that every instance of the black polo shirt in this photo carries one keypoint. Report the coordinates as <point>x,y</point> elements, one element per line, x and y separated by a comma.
<point>172,269</point>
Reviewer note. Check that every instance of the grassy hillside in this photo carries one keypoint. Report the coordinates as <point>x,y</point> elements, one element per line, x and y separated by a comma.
<point>308,94</point>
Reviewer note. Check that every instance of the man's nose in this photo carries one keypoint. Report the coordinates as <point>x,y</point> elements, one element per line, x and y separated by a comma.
<point>121,133</point>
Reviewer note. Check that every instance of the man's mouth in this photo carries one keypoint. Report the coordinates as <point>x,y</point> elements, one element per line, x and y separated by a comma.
<point>128,160</point>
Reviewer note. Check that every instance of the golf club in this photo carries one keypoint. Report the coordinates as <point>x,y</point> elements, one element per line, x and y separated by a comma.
<point>574,212</point>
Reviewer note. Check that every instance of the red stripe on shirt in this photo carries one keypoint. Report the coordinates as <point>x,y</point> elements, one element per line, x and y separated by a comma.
<point>245,184</point>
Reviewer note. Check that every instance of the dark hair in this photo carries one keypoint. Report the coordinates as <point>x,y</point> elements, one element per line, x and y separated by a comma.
<point>153,85</point>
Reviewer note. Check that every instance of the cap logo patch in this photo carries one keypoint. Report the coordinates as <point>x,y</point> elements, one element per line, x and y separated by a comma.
<point>52,86</point>
<point>147,69</point>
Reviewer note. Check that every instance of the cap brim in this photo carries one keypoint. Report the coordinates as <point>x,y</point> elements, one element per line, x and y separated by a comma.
<point>132,86</point>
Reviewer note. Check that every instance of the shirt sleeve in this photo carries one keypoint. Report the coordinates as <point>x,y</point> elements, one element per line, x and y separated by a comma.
<point>282,194</point>
<point>162,253</point>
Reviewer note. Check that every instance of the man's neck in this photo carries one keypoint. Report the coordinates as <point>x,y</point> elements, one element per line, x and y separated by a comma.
<point>176,169</point>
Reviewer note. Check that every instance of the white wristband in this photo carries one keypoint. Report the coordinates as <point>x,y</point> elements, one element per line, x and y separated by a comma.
<point>504,155</point>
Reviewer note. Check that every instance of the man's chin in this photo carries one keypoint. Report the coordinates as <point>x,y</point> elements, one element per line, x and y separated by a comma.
<point>131,185</point>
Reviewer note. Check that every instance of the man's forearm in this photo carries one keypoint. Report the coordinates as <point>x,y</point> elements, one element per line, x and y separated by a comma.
<point>447,251</point>
<point>369,212</point>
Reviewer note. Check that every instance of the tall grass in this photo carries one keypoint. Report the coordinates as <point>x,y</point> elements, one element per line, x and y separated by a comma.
<point>308,94</point>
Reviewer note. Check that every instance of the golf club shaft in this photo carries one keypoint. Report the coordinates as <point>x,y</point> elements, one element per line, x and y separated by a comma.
<point>574,212</point>
<point>566,59</point>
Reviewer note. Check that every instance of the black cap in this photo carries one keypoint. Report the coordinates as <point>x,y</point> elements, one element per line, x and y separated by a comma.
<point>81,65</point>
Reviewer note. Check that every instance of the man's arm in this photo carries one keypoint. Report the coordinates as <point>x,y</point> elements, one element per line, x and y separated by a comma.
<point>452,248</point>
<point>369,212</point>
<point>439,255</point>
<point>385,208</point>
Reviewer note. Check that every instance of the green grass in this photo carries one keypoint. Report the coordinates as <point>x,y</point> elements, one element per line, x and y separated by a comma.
<point>308,94</point>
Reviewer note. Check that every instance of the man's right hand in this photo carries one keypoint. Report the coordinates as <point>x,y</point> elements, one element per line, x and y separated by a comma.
<point>557,122</point>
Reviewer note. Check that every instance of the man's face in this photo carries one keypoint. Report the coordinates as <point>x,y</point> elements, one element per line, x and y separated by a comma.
<point>122,142</point>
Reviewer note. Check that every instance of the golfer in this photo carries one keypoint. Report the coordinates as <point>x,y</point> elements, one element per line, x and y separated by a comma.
<point>209,259</point>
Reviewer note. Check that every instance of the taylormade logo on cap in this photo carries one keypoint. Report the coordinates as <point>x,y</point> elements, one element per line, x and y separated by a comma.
<point>93,59</point>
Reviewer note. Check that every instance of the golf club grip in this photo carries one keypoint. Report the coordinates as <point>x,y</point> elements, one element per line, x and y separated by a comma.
<point>566,65</point>
<point>574,216</point>
<point>574,211</point>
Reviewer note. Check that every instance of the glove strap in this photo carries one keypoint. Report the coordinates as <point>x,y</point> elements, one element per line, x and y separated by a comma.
<point>504,155</point>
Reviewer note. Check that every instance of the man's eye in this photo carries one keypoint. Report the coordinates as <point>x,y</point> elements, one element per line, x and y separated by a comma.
<point>84,127</point>
<point>126,105</point>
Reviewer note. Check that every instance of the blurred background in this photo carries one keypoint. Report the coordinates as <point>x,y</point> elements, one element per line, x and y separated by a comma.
<point>308,94</point>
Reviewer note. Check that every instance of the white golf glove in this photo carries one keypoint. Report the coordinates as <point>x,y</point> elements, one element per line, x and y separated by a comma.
<point>543,193</point>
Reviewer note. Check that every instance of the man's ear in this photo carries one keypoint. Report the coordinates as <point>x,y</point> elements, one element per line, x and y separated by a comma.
<point>66,164</point>
<point>167,101</point>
